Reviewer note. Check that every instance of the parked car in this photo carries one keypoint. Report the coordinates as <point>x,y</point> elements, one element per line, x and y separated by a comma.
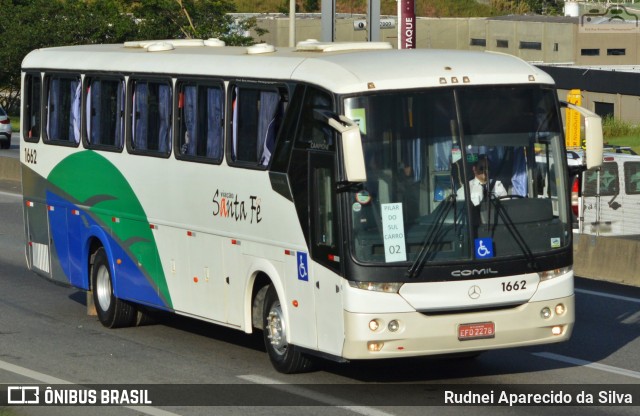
<point>5,129</point>
<point>574,158</point>
<point>619,149</point>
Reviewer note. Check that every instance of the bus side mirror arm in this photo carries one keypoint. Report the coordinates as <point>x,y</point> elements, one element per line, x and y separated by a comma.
<point>592,133</point>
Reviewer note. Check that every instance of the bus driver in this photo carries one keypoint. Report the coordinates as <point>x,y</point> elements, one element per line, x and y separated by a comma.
<point>478,185</point>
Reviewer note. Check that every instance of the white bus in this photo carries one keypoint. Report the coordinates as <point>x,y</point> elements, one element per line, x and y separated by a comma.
<point>319,193</point>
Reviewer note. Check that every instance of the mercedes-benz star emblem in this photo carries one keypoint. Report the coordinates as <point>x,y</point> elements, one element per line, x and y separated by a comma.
<point>474,292</point>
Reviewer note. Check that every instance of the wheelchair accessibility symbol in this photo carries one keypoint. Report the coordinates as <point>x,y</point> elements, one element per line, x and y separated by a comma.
<point>303,267</point>
<point>484,248</point>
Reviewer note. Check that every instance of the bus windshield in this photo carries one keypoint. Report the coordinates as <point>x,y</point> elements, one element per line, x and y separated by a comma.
<point>459,174</point>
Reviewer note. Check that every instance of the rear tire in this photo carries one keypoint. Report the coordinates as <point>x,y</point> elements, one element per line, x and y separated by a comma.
<point>285,358</point>
<point>112,312</point>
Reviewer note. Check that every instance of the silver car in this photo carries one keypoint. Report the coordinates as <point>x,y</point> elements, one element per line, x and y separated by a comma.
<point>5,129</point>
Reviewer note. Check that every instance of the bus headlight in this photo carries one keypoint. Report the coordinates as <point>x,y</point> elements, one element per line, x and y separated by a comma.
<point>545,313</point>
<point>377,287</point>
<point>393,326</point>
<point>552,274</point>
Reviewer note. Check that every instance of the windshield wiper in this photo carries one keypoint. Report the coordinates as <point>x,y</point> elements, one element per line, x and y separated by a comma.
<point>430,238</point>
<point>511,227</point>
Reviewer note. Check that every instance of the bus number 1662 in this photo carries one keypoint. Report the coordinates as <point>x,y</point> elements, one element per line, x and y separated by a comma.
<point>30,155</point>
<point>511,286</point>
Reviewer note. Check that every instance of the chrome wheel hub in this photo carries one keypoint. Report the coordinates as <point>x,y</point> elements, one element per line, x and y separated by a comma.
<point>276,329</point>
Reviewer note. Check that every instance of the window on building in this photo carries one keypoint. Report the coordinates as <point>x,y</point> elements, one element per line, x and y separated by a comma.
<point>151,116</point>
<point>501,43</point>
<point>200,118</point>
<point>478,42</point>
<point>62,109</point>
<point>555,47</point>
<point>590,52</point>
<point>31,100</point>
<point>104,122</point>
<point>257,115</point>
<point>616,52</point>
<point>604,109</point>
<point>531,45</point>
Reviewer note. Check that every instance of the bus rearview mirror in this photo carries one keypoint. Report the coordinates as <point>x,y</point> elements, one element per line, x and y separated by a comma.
<point>592,134</point>
<point>351,142</point>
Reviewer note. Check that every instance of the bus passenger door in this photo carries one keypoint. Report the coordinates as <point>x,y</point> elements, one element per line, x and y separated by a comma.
<point>325,253</point>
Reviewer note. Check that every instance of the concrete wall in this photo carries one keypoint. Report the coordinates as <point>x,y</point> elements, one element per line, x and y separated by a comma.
<point>607,258</point>
<point>625,107</point>
<point>10,169</point>
<point>557,40</point>
<point>627,41</point>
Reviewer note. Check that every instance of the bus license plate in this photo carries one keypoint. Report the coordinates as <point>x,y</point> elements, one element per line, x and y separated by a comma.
<point>478,330</point>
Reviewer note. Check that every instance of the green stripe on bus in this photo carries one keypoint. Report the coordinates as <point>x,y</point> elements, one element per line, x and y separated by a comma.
<point>93,181</point>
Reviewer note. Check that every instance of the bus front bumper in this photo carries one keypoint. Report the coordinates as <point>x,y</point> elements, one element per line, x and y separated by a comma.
<point>421,334</point>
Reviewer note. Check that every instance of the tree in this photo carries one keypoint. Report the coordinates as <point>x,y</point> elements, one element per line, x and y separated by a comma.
<point>202,19</point>
<point>26,25</point>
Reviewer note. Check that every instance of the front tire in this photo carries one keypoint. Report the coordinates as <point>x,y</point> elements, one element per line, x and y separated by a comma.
<point>112,312</point>
<point>284,357</point>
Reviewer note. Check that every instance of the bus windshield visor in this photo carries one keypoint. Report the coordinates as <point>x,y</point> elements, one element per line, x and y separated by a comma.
<point>459,174</point>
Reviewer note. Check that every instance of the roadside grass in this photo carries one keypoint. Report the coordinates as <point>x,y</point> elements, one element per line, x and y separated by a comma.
<point>621,133</point>
<point>441,8</point>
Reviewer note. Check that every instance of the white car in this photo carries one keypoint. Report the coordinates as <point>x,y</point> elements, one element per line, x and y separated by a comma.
<point>5,129</point>
<point>574,158</point>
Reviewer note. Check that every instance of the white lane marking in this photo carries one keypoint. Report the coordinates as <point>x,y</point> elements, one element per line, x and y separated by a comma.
<point>590,364</point>
<point>319,397</point>
<point>41,377</point>
<point>606,295</point>
<point>47,379</point>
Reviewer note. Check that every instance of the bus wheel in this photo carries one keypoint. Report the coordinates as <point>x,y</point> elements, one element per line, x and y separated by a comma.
<point>112,312</point>
<point>285,358</point>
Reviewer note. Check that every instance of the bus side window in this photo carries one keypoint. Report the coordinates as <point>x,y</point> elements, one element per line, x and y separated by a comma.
<point>200,108</point>
<point>63,109</point>
<point>151,117</point>
<point>32,102</point>
<point>105,101</point>
<point>257,115</point>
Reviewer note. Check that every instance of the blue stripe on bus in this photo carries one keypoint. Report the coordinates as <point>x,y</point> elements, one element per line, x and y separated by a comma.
<point>70,234</point>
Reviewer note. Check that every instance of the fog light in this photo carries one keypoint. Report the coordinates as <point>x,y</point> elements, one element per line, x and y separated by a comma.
<point>545,313</point>
<point>374,346</point>
<point>393,326</point>
<point>556,330</point>
<point>374,325</point>
<point>560,309</point>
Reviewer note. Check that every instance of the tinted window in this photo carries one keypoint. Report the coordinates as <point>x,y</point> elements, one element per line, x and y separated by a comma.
<point>257,114</point>
<point>200,118</point>
<point>632,177</point>
<point>151,116</point>
<point>104,124</point>
<point>62,109</point>
<point>609,183</point>
<point>32,101</point>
